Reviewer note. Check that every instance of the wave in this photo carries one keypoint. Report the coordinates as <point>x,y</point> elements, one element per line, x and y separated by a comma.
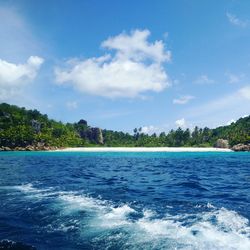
<point>32,191</point>
<point>130,226</point>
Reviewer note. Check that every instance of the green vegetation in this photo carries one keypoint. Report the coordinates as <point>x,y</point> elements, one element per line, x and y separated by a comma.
<point>20,128</point>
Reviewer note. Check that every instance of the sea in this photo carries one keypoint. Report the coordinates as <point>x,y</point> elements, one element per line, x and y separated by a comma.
<point>119,200</point>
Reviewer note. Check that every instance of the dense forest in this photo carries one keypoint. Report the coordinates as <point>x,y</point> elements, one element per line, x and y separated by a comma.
<point>21,128</point>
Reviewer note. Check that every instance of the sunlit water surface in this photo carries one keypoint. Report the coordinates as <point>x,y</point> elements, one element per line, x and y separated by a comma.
<point>125,200</point>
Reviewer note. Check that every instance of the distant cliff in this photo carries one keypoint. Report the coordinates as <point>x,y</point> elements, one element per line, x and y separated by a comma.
<point>23,129</point>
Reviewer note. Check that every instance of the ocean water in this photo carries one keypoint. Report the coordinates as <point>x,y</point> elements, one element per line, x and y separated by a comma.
<point>59,200</point>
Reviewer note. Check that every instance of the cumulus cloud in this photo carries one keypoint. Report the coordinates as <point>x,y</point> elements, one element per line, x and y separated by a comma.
<point>134,67</point>
<point>203,79</point>
<point>236,21</point>
<point>17,43</point>
<point>183,99</point>
<point>181,123</point>
<point>14,76</point>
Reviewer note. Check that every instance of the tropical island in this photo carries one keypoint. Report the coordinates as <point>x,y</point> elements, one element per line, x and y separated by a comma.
<point>29,130</point>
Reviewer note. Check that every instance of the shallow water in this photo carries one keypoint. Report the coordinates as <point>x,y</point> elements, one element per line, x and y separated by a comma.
<point>59,200</point>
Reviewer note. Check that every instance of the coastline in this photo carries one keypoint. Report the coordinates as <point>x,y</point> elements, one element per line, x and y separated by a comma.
<point>142,149</point>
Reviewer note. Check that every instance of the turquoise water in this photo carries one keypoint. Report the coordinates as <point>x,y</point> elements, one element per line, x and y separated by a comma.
<point>76,200</point>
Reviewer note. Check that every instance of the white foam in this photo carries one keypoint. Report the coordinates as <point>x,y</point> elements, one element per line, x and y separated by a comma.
<point>62,227</point>
<point>208,205</point>
<point>33,192</point>
<point>147,213</point>
<point>117,216</point>
<point>217,229</point>
<point>119,212</point>
<point>212,229</point>
<point>160,227</point>
<point>105,214</point>
<point>81,202</point>
<point>27,188</point>
<point>229,231</point>
<point>232,221</point>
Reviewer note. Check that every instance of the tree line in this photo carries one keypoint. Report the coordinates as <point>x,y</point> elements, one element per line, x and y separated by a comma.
<point>20,127</point>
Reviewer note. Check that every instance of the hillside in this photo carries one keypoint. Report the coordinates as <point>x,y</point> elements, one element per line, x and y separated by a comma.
<point>20,127</point>
<point>29,128</point>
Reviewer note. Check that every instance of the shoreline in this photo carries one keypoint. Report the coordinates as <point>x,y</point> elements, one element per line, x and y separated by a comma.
<point>142,149</point>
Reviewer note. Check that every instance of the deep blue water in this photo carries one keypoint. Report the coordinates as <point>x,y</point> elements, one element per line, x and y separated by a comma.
<point>125,200</point>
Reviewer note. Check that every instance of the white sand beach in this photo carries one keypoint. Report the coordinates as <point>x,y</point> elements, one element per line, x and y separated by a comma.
<point>143,149</point>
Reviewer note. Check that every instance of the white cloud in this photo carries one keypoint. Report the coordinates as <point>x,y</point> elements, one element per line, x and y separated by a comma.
<point>245,92</point>
<point>230,122</point>
<point>220,110</point>
<point>18,42</point>
<point>203,79</point>
<point>72,105</point>
<point>236,21</point>
<point>181,123</point>
<point>236,99</point>
<point>136,47</point>
<point>151,129</point>
<point>14,76</point>
<point>183,99</point>
<point>135,67</point>
<point>233,78</point>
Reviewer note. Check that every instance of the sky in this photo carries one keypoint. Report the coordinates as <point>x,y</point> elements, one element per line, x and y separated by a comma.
<point>119,64</point>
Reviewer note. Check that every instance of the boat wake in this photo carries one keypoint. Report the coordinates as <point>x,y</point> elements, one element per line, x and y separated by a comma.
<point>133,226</point>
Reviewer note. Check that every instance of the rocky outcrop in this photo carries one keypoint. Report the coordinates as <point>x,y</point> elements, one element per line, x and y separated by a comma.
<point>83,122</point>
<point>241,147</point>
<point>95,134</point>
<point>5,149</point>
<point>221,143</point>
<point>38,147</point>
<point>36,125</point>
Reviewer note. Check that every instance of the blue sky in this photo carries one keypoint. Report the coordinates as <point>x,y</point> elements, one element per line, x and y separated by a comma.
<point>126,64</point>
